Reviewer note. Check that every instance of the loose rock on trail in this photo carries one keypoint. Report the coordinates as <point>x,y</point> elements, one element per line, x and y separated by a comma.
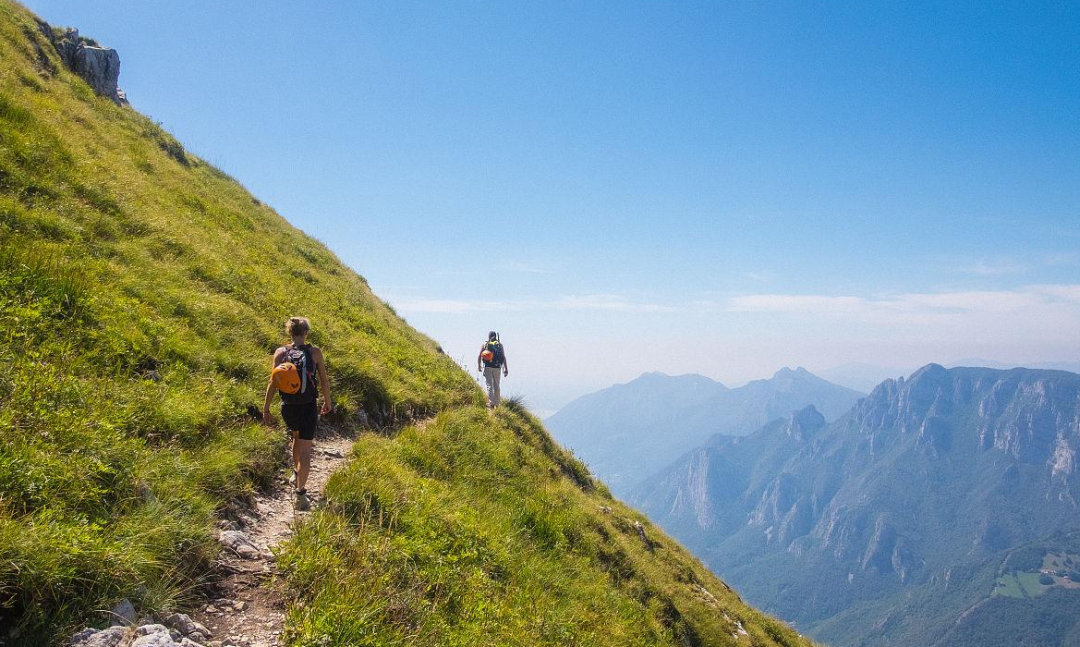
<point>246,606</point>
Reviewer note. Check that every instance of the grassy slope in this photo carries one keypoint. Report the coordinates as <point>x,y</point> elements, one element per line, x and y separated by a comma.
<point>141,292</point>
<point>121,254</point>
<point>478,530</point>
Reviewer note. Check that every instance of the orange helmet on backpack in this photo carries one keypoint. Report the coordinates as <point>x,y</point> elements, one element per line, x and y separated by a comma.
<point>286,378</point>
<point>487,355</point>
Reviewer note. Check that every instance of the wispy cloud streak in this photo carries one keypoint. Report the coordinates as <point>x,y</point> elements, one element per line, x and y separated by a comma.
<point>601,302</point>
<point>1026,302</point>
<point>925,307</point>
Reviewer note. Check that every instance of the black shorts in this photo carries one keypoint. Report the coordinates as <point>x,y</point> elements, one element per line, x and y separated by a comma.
<point>301,418</point>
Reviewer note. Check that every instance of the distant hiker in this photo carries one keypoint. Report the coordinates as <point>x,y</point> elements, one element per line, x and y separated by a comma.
<point>296,368</point>
<point>491,362</point>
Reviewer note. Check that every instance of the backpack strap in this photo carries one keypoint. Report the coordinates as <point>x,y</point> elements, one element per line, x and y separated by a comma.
<point>309,361</point>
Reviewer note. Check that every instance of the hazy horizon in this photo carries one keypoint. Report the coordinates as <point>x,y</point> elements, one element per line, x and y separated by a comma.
<point>688,188</point>
<point>858,376</point>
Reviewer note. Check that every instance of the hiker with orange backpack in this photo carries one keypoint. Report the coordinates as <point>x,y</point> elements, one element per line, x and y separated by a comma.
<point>491,362</point>
<point>295,370</point>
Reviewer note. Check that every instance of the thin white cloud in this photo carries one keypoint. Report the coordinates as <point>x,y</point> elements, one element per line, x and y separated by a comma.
<point>914,307</point>
<point>998,267</point>
<point>608,302</point>
<point>1062,259</point>
<point>1063,292</point>
<point>989,267</point>
<point>795,303</point>
<point>604,302</point>
<point>524,268</point>
<point>1026,302</point>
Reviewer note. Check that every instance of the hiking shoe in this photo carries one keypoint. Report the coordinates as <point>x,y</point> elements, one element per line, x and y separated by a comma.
<point>302,501</point>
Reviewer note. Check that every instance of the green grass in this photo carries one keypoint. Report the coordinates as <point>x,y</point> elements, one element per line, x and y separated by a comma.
<point>477,530</point>
<point>1009,586</point>
<point>124,258</point>
<point>1030,583</point>
<point>142,292</point>
<point>1021,585</point>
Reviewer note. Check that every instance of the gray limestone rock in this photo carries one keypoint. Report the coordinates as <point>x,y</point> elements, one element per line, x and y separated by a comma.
<point>161,636</point>
<point>186,626</point>
<point>110,637</point>
<point>239,543</point>
<point>98,66</point>
<point>149,630</point>
<point>123,613</point>
<point>154,640</point>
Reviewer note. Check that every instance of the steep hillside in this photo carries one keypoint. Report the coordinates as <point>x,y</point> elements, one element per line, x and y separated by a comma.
<point>628,432</point>
<point>479,530</point>
<point>906,498</point>
<point>141,294</point>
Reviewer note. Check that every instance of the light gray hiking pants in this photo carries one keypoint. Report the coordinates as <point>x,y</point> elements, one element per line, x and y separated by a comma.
<point>492,375</point>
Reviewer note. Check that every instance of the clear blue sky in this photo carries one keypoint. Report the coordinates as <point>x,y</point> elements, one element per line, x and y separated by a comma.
<point>716,187</point>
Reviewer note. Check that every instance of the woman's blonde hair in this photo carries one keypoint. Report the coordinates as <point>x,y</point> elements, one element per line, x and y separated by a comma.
<point>297,326</point>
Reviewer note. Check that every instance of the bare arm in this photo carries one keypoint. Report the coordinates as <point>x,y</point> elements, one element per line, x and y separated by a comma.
<point>506,365</point>
<point>324,380</point>
<point>271,390</point>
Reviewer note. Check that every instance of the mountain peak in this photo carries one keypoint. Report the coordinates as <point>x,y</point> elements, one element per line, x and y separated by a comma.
<point>787,371</point>
<point>805,423</point>
<point>651,378</point>
<point>931,369</point>
<point>652,375</point>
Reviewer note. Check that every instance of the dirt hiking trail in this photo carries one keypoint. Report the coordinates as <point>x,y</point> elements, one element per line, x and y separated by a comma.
<point>246,607</point>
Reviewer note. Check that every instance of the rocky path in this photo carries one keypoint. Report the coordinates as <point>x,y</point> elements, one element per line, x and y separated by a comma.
<point>246,608</point>
<point>245,605</point>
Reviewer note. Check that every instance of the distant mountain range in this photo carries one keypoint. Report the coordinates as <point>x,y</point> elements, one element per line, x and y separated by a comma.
<point>941,510</point>
<point>628,432</point>
<point>864,377</point>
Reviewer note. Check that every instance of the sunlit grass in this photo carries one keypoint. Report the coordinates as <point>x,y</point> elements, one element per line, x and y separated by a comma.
<point>473,530</point>
<point>141,292</point>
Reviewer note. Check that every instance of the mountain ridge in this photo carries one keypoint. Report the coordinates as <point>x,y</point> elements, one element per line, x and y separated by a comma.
<point>629,431</point>
<point>943,468</point>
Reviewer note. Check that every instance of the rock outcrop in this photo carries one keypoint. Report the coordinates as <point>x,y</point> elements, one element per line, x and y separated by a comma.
<point>98,66</point>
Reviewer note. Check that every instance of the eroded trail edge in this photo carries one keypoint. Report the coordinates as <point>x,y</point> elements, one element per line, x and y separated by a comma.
<point>246,608</point>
